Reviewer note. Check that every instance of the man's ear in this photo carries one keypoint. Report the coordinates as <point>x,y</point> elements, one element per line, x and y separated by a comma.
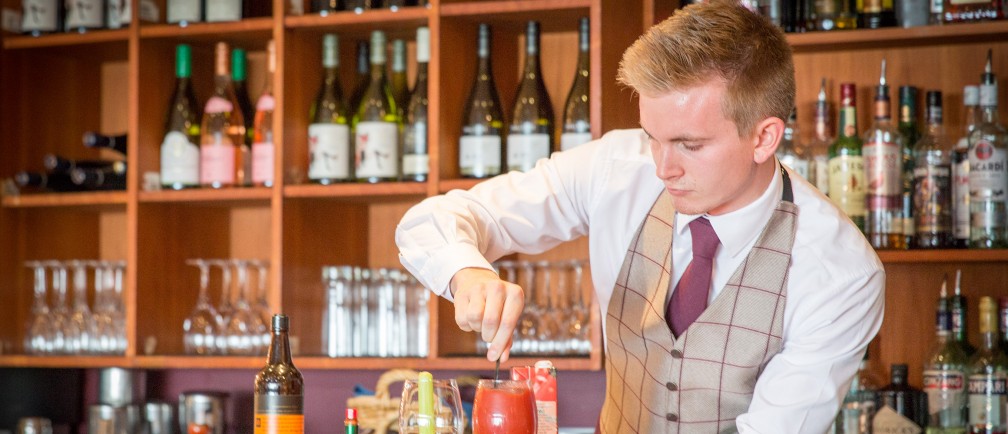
<point>767,136</point>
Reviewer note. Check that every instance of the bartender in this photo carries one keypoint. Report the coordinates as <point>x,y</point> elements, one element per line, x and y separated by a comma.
<point>735,296</point>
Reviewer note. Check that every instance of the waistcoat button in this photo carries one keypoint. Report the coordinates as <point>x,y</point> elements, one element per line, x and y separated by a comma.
<point>676,354</point>
<point>671,386</point>
<point>672,417</point>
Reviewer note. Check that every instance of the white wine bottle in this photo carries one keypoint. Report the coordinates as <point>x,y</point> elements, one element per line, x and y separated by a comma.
<point>263,150</point>
<point>482,124</point>
<point>41,16</point>
<point>530,136</point>
<point>376,123</point>
<point>223,10</point>
<point>577,112</point>
<point>399,86</point>
<point>184,12</point>
<point>415,159</point>
<point>223,128</point>
<point>329,133</point>
<point>84,15</point>
<point>180,156</point>
<point>362,78</point>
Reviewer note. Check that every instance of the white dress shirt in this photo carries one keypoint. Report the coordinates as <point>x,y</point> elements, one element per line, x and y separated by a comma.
<point>603,189</point>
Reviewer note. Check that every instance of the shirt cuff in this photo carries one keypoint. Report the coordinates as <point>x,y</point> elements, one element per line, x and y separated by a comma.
<point>443,263</point>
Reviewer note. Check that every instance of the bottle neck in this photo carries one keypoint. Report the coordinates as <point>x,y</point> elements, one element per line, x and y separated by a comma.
<point>989,114</point>
<point>421,77</point>
<point>848,122</point>
<point>821,121</point>
<point>279,351</point>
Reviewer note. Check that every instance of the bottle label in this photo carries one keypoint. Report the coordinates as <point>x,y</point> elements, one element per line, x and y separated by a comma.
<point>113,14</point>
<point>180,161</point>
<point>262,163</point>
<point>217,104</point>
<point>217,164</point>
<point>415,164</point>
<point>266,103</point>
<point>988,174</point>
<point>882,164</point>
<point>523,150</point>
<point>932,184</point>
<point>184,10</point>
<point>480,156</point>
<point>329,151</point>
<point>800,166</point>
<point>946,393</point>
<point>988,92</point>
<point>961,195</point>
<point>376,152</point>
<point>987,399</point>
<point>40,15</point>
<point>888,421</point>
<point>415,156</point>
<point>846,184</point>
<point>278,414</point>
<point>821,172</point>
<point>570,140</point>
<point>224,10</point>
<point>85,14</point>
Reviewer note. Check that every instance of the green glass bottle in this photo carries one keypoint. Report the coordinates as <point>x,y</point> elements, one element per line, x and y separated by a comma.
<point>530,137</point>
<point>180,156</point>
<point>399,86</point>
<point>329,131</point>
<point>846,166</point>
<point>415,157</point>
<point>376,123</point>
<point>481,139</point>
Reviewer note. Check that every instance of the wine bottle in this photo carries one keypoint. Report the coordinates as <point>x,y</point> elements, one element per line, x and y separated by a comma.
<point>399,86</point>
<point>279,386</point>
<point>846,166</point>
<point>243,156</point>
<point>530,136</point>
<point>257,8</point>
<point>363,76</point>
<point>362,5</point>
<point>263,150</point>
<point>960,168</point>
<point>415,159</point>
<point>116,142</point>
<point>329,133</point>
<point>883,171</point>
<point>55,163</point>
<point>184,12</point>
<point>223,129</point>
<point>577,111</point>
<point>41,16</point>
<point>55,182</point>
<point>932,186</point>
<point>988,174</point>
<point>482,122</point>
<point>114,14</point>
<point>376,123</point>
<point>223,10</point>
<point>396,4</point>
<point>84,15</point>
<point>106,178</point>
<point>326,7</point>
<point>180,156</point>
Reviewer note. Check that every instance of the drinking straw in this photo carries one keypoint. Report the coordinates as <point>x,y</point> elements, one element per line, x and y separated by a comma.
<point>426,402</point>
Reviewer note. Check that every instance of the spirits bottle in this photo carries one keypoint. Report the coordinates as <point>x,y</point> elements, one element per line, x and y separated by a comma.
<point>932,186</point>
<point>859,404</point>
<point>184,12</point>
<point>577,111</point>
<point>874,14</point>
<point>363,77</point>
<point>180,156</point>
<point>84,15</point>
<point>883,167</point>
<point>902,407</point>
<point>263,148</point>
<point>329,133</point>
<point>415,158</point>
<point>847,19</point>
<point>957,310</point>
<point>945,384</point>
<point>821,141</point>
<point>116,142</point>
<point>39,17</point>
<point>909,136</point>
<point>790,152</point>
<point>960,168</point>
<point>279,386</point>
<point>988,377</point>
<point>530,136</point>
<point>957,11</point>
<point>482,122</point>
<point>825,14</point>
<point>988,176</point>
<point>376,123</point>
<point>846,166</point>
<point>398,84</point>
<point>223,129</point>
<point>326,7</point>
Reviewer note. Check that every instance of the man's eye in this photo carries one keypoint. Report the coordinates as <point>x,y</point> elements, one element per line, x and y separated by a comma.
<point>689,146</point>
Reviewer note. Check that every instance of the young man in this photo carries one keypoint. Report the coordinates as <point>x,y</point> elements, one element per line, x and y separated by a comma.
<point>735,296</point>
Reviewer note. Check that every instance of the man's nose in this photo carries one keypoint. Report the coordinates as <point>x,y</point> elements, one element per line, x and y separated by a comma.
<point>667,163</point>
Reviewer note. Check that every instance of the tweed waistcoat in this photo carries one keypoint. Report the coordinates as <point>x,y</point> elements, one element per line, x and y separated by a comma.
<point>700,382</point>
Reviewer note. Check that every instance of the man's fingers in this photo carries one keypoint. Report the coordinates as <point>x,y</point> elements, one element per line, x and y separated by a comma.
<point>474,313</point>
<point>514,302</point>
<point>461,309</point>
<point>492,312</point>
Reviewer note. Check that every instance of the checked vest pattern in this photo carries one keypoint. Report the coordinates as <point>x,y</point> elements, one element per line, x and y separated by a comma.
<point>700,382</point>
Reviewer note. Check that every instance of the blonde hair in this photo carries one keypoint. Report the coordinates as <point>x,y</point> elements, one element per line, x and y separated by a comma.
<point>718,39</point>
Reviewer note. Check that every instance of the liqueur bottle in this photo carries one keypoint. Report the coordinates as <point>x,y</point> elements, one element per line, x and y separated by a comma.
<point>909,136</point>
<point>859,404</point>
<point>960,168</point>
<point>481,141</point>
<point>902,407</point>
<point>988,176</point>
<point>932,185</point>
<point>790,152</point>
<point>846,166</point>
<point>988,377</point>
<point>530,137</point>
<point>957,310</point>
<point>883,167</point>
<point>279,386</point>
<point>945,384</point>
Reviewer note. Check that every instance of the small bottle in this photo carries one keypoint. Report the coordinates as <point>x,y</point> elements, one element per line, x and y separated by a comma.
<point>932,185</point>
<point>859,404</point>
<point>846,166</point>
<point>909,136</point>
<point>279,386</point>
<point>988,377</point>
<point>263,148</point>
<point>39,17</point>
<point>398,84</point>
<point>530,137</point>
<point>883,171</point>
<point>180,156</point>
<point>902,407</point>
<point>790,152</point>
<point>350,423</point>
<point>945,382</point>
<point>821,141</point>
<point>376,123</point>
<point>960,168</point>
<point>415,158</point>
<point>988,176</point>
<point>481,140</point>
<point>115,142</point>
<point>223,129</point>
<point>577,111</point>
<point>329,132</point>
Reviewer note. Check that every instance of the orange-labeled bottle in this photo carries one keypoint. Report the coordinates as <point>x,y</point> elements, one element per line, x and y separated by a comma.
<point>279,387</point>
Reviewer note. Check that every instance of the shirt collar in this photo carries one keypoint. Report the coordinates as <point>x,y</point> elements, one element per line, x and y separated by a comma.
<point>739,228</point>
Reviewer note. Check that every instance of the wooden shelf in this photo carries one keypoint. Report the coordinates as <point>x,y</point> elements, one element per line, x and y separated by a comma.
<point>477,363</point>
<point>256,28</point>
<point>26,361</point>
<point>354,190</point>
<point>484,8</point>
<point>83,199</point>
<point>207,195</point>
<point>457,184</point>
<point>66,39</point>
<point>897,36</point>
<point>942,256</point>
<point>357,363</point>
<point>353,22</point>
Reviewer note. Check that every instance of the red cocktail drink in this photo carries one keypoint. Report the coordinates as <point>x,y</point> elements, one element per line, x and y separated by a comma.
<point>504,407</point>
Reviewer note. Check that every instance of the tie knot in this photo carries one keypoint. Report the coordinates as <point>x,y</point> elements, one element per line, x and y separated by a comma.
<point>705,240</point>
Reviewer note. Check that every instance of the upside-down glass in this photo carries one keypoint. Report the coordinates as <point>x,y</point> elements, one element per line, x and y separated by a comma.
<point>448,415</point>
<point>39,331</point>
<point>504,407</point>
<point>199,328</point>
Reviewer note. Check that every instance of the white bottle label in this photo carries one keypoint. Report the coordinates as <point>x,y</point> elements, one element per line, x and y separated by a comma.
<point>946,393</point>
<point>888,421</point>
<point>217,164</point>
<point>821,173</point>
<point>85,14</point>
<point>988,176</point>
<point>329,151</point>
<point>987,399</point>
<point>184,10</point>
<point>415,164</point>
<point>376,150</point>
<point>800,166</point>
<point>523,150</point>
<point>480,156</point>
<point>262,163</point>
<point>40,15</point>
<point>180,161</point>
<point>846,184</point>
<point>113,13</point>
<point>570,140</point>
<point>224,10</point>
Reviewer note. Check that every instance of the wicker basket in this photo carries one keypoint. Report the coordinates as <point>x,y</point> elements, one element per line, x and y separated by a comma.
<point>381,412</point>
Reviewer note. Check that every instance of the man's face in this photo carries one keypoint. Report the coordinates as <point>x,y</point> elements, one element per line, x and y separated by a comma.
<point>705,165</point>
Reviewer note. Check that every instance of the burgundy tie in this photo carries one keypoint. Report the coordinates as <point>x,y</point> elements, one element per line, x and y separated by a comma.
<point>689,299</point>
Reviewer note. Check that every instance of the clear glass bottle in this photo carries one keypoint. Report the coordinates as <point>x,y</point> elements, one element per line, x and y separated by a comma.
<point>945,384</point>
<point>263,148</point>
<point>415,158</point>
<point>790,151</point>
<point>883,171</point>
<point>988,377</point>
<point>239,74</point>
<point>180,156</point>
<point>330,159</point>
<point>932,186</point>
<point>363,77</point>
<point>480,144</point>
<point>399,84</point>
<point>909,136</point>
<point>988,177</point>
<point>859,404</point>
<point>577,111</point>
<point>376,123</point>
<point>958,11</point>
<point>223,129</point>
<point>279,386</point>
<point>530,136</point>
<point>846,166</point>
<point>902,408</point>
<point>821,140</point>
<point>960,168</point>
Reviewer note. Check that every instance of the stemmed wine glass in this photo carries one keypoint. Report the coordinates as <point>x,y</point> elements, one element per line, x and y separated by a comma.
<point>114,273</point>
<point>104,310</point>
<point>224,307</point>
<point>447,408</point>
<point>528,322</point>
<point>39,332</point>
<point>579,315</point>
<point>200,326</point>
<point>81,329</point>
<point>60,312</point>
<point>242,325</point>
<point>261,306</point>
<point>550,317</point>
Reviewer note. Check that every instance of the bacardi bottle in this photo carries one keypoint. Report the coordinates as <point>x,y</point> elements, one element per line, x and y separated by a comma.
<point>988,176</point>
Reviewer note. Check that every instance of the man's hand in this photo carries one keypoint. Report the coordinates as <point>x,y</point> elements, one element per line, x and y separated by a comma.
<point>486,304</point>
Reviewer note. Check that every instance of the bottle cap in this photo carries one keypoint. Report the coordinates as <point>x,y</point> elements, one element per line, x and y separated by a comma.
<point>398,55</point>
<point>377,47</point>
<point>238,64</point>
<point>330,50</point>
<point>183,61</point>
<point>351,414</point>
<point>532,37</point>
<point>848,94</point>
<point>971,95</point>
<point>281,323</point>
